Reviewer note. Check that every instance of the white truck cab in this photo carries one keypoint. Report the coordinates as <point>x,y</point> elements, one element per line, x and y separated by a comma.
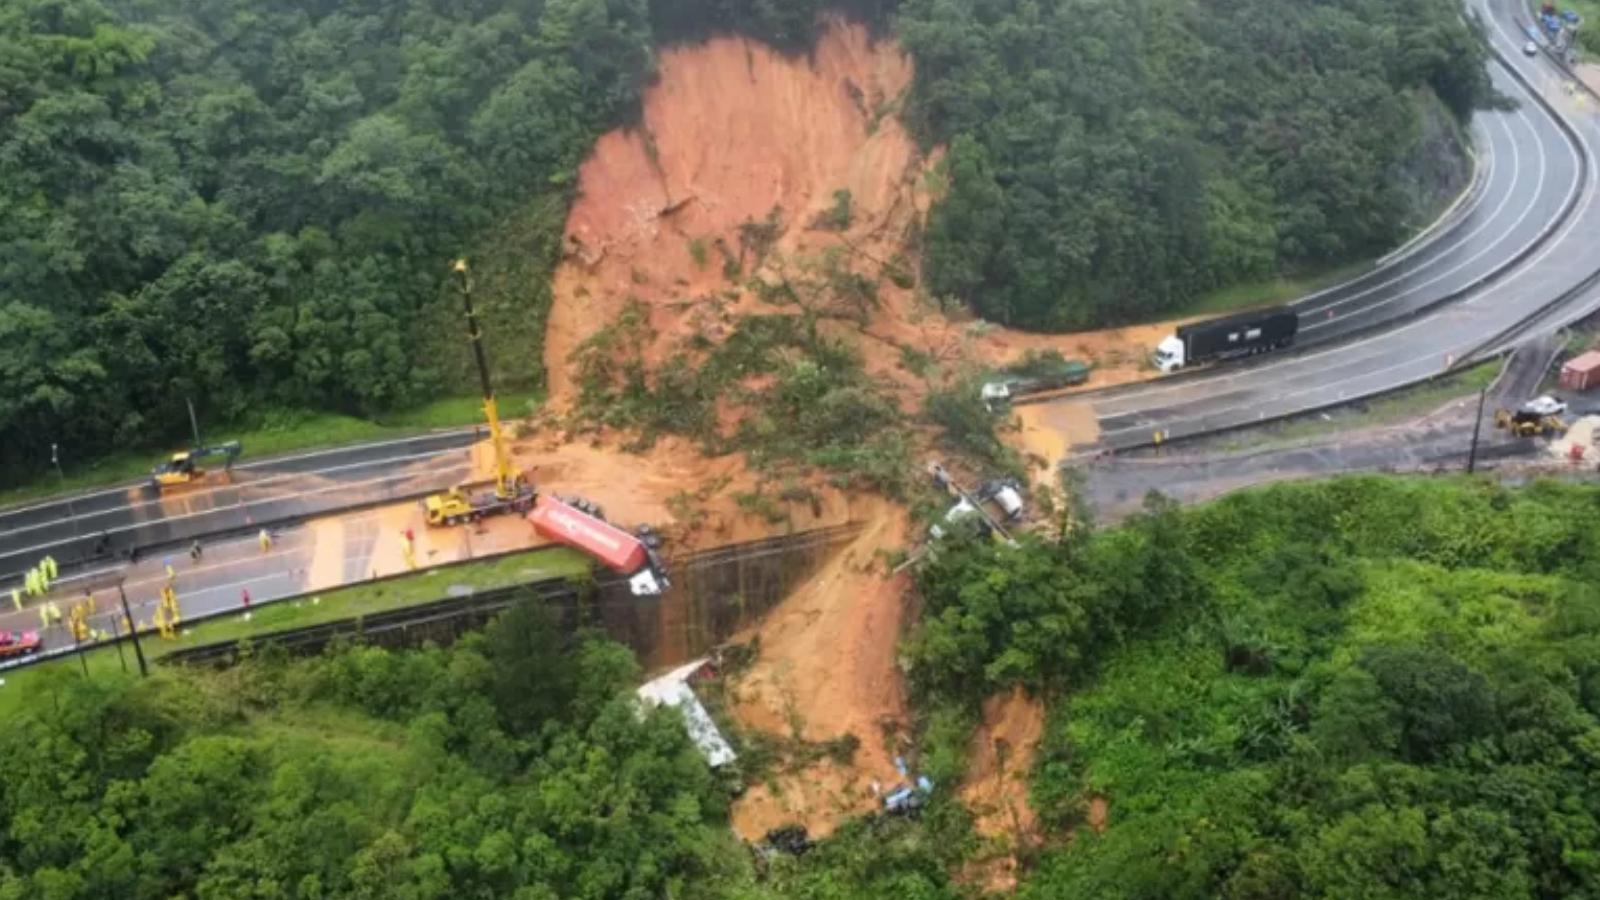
<point>1169,354</point>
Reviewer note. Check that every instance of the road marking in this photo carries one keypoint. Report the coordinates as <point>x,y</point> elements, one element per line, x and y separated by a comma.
<point>1474,302</point>
<point>230,508</point>
<point>185,500</point>
<point>1468,346</point>
<point>1221,379</point>
<point>1533,198</point>
<point>7,512</point>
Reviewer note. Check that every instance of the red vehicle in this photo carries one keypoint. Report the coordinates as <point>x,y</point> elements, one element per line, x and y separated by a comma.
<point>623,552</point>
<point>18,643</point>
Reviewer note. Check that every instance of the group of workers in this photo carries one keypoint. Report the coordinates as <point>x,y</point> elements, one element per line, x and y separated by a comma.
<point>36,583</point>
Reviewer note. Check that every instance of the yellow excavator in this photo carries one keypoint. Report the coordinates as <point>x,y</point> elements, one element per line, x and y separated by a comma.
<point>1539,417</point>
<point>183,467</point>
<point>512,493</point>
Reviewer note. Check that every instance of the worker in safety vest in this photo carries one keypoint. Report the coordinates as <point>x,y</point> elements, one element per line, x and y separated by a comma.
<point>16,599</point>
<point>50,568</point>
<point>265,539</point>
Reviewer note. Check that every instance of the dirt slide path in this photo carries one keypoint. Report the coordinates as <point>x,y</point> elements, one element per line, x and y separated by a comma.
<point>734,135</point>
<point>827,669</point>
<point>1000,761</point>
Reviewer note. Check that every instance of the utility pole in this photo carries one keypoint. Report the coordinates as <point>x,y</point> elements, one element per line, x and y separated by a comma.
<point>116,638</point>
<point>1477,426</point>
<point>133,631</point>
<point>194,423</point>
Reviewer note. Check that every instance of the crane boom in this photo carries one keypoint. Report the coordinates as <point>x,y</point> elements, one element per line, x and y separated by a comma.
<point>505,480</point>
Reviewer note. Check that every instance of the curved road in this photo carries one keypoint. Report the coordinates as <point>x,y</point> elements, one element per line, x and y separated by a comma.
<point>1538,171</point>
<point>1522,238</point>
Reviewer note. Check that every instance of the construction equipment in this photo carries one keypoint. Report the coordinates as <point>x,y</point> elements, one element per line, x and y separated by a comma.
<point>1527,422</point>
<point>512,492</point>
<point>183,467</point>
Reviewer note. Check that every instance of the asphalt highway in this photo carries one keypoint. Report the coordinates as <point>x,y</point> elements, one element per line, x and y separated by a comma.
<point>1438,441</point>
<point>91,529</point>
<point>300,559</point>
<point>1548,283</point>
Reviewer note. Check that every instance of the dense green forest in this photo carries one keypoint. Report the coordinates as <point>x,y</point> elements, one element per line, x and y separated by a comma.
<point>1356,688</point>
<point>407,775</point>
<point>254,207</point>
<point>1110,162</point>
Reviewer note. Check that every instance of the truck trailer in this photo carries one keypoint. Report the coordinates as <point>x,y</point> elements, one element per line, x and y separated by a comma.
<point>622,552</point>
<point>1241,334</point>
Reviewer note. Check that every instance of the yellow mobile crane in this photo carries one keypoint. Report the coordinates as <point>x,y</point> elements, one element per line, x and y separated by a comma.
<point>512,493</point>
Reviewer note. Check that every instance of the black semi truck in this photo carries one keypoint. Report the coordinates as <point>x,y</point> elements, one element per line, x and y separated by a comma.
<point>1240,334</point>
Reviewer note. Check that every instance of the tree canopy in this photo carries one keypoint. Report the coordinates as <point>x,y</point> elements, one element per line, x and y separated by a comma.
<point>255,209</point>
<point>1358,688</point>
<point>1112,162</point>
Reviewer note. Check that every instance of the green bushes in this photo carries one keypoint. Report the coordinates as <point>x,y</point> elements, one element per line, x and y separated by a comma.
<point>1110,164</point>
<point>1044,614</point>
<point>365,773</point>
<point>805,397</point>
<point>1372,687</point>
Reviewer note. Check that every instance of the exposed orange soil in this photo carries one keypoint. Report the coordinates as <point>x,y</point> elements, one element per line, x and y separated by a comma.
<point>734,135</point>
<point>1000,758</point>
<point>733,131</point>
<point>827,669</point>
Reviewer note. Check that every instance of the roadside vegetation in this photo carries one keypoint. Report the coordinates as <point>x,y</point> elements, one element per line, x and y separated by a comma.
<point>1112,165</point>
<point>21,688</point>
<point>275,434</point>
<point>186,216</point>
<point>1358,687</point>
<point>1395,408</point>
<point>1376,687</point>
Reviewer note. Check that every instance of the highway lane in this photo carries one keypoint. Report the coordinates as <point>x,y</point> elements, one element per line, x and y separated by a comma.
<point>105,525</point>
<point>1240,394</point>
<point>316,556</point>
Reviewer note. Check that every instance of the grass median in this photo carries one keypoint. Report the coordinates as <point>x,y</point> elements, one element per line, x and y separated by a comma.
<point>313,609</point>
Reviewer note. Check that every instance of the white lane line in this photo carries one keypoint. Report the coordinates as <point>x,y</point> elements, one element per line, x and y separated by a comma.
<point>7,512</point>
<point>1158,389</point>
<point>1418,242</point>
<point>1473,302</point>
<point>253,485</point>
<point>1251,373</point>
<point>1510,191</point>
<point>1533,204</point>
<point>223,509</point>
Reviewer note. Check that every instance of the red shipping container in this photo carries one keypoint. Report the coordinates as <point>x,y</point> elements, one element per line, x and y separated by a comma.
<point>1581,372</point>
<point>577,529</point>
